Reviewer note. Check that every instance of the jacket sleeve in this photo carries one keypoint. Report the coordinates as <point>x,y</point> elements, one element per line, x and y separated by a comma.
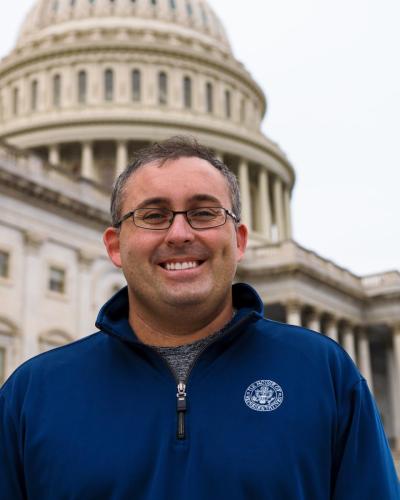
<point>11,471</point>
<point>364,468</point>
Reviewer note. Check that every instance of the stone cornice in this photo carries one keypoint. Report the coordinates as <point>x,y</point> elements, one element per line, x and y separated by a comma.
<point>14,178</point>
<point>163,122</point>
<point>291,258</point>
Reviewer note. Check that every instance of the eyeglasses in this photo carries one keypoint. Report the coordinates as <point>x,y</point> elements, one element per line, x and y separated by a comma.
<point>162,218</point>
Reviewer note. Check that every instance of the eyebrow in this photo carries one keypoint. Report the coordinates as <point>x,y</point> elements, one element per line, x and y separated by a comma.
<point>158,201</point>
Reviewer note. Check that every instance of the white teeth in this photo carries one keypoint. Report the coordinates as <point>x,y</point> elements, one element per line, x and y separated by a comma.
<point>179,266</point>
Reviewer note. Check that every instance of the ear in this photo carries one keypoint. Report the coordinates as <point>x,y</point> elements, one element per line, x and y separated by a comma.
<point>111,242</point>
<point>241,238</point>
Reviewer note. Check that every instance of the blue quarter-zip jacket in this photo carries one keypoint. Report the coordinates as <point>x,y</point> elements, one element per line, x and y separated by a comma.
<point>273,412</point>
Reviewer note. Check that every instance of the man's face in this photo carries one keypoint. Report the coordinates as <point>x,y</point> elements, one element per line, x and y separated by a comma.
<point>146,255</point>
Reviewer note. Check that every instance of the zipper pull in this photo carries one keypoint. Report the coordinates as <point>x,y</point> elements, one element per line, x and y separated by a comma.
<point>181,409</point>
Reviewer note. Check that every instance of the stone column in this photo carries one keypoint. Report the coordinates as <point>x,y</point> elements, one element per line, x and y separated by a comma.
<point>122,157</point>
<point>293,313</point>
<point>85,317</point>
<point>32,294</point>
<point>288,217</point>
<point>313,322</point>
<point>364,358</point>
<point>244,183</point>
<point>54,154</point>
<point>87,166</point>
<point>349,342</point>
<point>332,329</point>
<point>219,155</point>
<point>264,203</point>
<point>395,382</point>
<point>278,208</point>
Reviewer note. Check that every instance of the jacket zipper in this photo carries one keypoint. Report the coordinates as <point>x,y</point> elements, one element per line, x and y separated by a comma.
<point>181,410</point>
<point>181,402</point>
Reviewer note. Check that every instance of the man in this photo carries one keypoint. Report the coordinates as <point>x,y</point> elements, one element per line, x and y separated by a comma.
<point>186,391</point>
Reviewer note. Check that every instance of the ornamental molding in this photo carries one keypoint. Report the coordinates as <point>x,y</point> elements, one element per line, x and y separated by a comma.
<point>14,180</point>
<point>15,64</point>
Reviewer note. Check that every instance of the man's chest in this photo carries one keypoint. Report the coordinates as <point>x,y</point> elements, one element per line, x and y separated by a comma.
<point>246,430</point>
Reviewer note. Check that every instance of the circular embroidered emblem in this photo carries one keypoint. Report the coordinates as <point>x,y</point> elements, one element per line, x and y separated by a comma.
<point>263,395</point>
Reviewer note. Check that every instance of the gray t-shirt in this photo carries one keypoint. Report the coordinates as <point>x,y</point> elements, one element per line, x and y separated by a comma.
<point>181,358</point>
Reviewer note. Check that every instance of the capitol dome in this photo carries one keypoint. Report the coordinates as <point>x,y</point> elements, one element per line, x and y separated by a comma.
<point>192,18</point>
<point>90,81</point>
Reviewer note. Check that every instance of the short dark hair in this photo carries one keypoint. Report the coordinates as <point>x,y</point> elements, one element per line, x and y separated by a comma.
<point>171,149</point>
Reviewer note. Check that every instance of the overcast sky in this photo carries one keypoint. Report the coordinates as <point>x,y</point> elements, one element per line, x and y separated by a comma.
<point>331,74</point>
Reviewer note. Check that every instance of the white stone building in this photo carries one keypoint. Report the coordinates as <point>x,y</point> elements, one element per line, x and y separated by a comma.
<point>90,81</point>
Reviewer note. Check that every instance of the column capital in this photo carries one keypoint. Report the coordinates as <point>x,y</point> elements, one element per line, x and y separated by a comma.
<point>86,257</point>
<point>34,239</point>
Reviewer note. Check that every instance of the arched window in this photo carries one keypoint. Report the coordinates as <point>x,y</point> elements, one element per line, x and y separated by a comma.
<point>227,104</point>
<point>136,85</point>
<point>162,88</point>
<point>189,8</point>
<point>15,102</point>
<point>34,95</point>
<point>108,85</point>
<point>172,4</point>
<point>209,97</point>
<point>82,87</point>
<point>187,92</point>
<point>57,91</point>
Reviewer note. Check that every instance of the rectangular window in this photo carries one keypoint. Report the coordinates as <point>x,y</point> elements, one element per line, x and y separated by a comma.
<point>209,98</point>
<point>34,95</point>
<point>15,101</point>
<point>187,92</point>
<point>162,88</point>
<point>227,104</point>
<point>108,85</point>
<point>136,85</point>
<point>2,365</point>
<point>82,87</point>
<point>57,91</point>
<point>4,264</point>
<point>57,280</point>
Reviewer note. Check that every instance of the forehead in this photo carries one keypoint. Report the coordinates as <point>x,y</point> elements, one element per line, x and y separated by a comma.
<point>177,181</point>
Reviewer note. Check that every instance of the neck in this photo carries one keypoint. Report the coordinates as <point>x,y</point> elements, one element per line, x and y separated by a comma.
<point>177,326</point>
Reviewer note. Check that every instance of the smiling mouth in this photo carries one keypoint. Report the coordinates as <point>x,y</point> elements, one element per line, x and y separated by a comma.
<point>181,266</point>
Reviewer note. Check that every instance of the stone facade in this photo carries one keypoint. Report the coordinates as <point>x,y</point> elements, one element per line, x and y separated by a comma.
<point>88,83</point>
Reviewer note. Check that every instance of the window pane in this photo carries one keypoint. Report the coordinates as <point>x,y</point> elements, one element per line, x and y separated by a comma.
<point>209,97</point>
<point>57,90</point>
<point>162,88</point>
<point>57,280</point>
<point>34,95</point>
<point>242,111</point>
<point>108,85</point>
<point>136,85</point>
<point>227,104</point>
<point>15,101</point>
<point>82,87</point>
<point>187,92</point>
<point>4,264</point>
<point>2,365</point>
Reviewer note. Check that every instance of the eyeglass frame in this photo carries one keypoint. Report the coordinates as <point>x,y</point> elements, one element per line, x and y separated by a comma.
<point>174,213</point>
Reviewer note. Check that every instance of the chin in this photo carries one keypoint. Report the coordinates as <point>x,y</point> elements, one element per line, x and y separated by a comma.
<point>183,300</point>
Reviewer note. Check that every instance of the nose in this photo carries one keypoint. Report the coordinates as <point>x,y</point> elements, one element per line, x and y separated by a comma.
<point>180,231</point>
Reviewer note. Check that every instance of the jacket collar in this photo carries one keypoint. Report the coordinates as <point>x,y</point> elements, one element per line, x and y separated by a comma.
<point>113,316</point>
